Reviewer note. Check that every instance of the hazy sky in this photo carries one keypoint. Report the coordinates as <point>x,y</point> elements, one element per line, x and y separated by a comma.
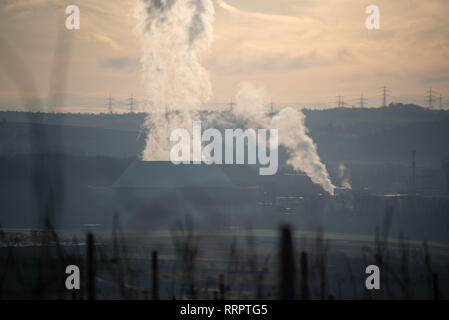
<point>301,51</point>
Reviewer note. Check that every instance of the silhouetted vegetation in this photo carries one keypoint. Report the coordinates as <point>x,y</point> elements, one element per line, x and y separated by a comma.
<point>114,268</point>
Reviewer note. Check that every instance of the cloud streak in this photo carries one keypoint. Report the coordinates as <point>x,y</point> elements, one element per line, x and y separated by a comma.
<point>263,16</point>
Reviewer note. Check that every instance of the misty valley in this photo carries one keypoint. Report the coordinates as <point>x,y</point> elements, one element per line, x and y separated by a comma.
<point>219,223</point>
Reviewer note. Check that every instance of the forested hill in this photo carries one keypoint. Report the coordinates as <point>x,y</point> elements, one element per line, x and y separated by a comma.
<point>387,134</point>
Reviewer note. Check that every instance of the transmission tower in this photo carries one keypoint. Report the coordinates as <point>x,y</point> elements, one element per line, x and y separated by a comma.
<point>362,101</point>
<point>429,98</point>
<point>131,104</point>
<point>110,104</point>
<point>441,101</point>
<point>231,105</point>
<point>384,96</point>
<point>340,102</point>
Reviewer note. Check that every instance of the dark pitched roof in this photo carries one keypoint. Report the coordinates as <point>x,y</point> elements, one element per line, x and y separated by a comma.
<point>161,174</point>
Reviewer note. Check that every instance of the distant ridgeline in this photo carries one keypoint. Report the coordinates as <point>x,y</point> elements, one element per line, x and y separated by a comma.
<point>98,154</point>
<point>345,135</point>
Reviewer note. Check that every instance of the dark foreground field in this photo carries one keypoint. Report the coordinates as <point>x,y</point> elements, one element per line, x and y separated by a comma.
<point>184,263</point>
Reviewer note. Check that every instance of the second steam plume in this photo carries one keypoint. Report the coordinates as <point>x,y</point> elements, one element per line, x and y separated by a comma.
<point>174,34</point>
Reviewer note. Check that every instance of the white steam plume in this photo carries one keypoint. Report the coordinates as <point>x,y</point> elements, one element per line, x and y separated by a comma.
<point>344,176</point>
<point>252,105</point>
<point>174,33</point>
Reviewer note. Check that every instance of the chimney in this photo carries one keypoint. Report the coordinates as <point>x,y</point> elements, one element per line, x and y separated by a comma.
<point>413,170</point>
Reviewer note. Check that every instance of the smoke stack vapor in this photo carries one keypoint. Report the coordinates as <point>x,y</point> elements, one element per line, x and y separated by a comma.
<point>253,106</point>
<point>174,34</point>
<point>343,175</point>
